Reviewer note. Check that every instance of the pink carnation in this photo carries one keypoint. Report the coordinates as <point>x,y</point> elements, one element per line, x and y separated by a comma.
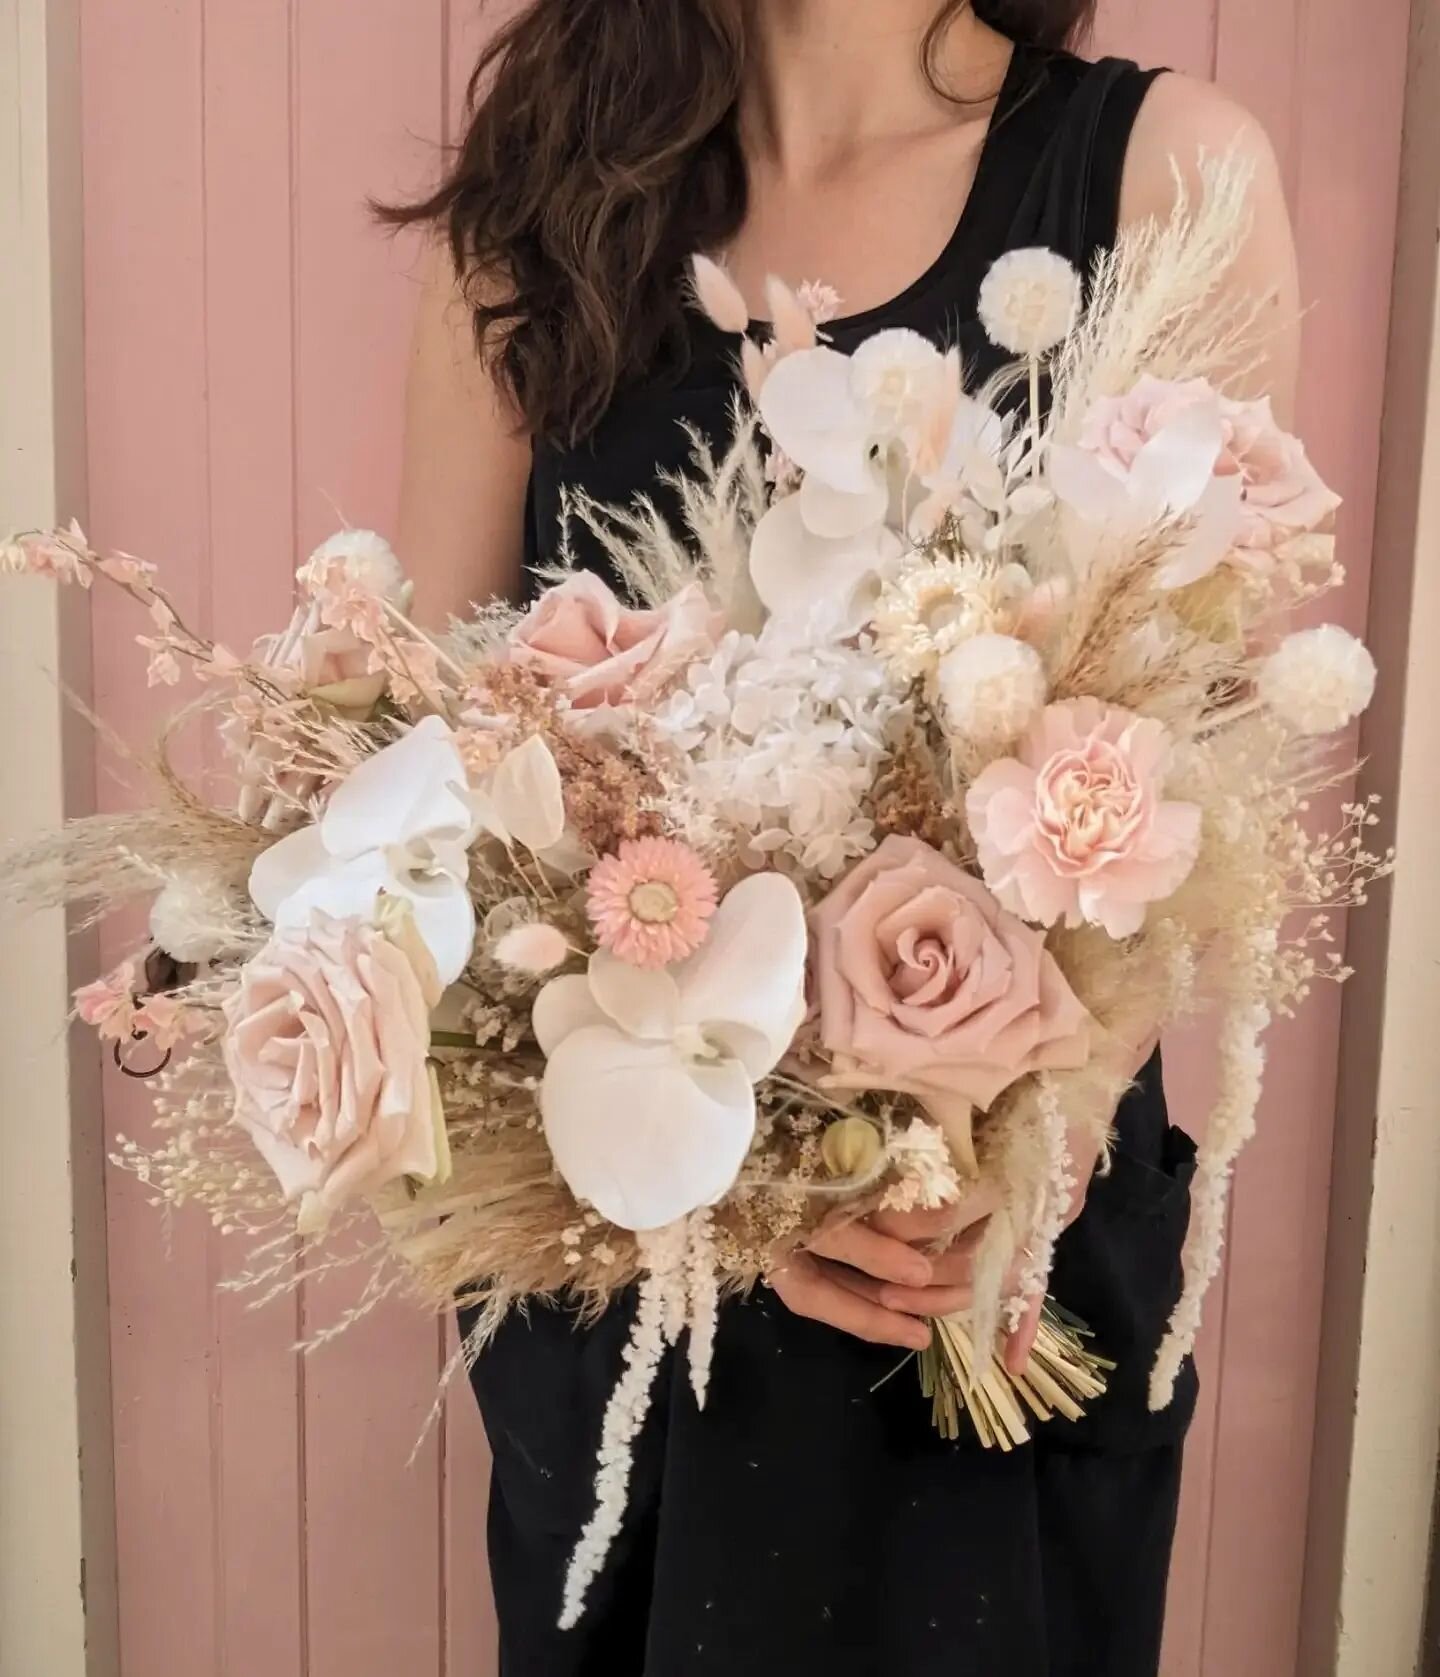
<point>1075,828</point>
<point>651,902</point>
<point>599,652</point>
<point>1284,496</point>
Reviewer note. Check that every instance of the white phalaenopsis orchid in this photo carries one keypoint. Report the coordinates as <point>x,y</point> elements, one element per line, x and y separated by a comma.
<point>871,433</point>
<point>649,1092</point>
<point>1172,476</point>
<point>401,824</point>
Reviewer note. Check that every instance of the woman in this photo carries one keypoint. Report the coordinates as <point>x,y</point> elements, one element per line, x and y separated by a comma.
<point>807,1521</point>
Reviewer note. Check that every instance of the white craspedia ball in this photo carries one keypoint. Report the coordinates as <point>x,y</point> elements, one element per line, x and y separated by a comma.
<point>1029,301</point>
<point>368,559</point>
<point>192,918</point>
<point>992,686</point>
<point>1317,680</point>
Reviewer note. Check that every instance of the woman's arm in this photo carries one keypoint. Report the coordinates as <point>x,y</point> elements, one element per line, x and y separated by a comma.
<point>1180,122</point>
<point>466,462</point>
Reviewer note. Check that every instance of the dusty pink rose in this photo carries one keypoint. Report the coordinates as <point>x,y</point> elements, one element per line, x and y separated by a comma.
<point>327,1043</point>
<point>1075,826</point>
<point>1284,496</point>
<point>579,636</point>
<point>925,984</point>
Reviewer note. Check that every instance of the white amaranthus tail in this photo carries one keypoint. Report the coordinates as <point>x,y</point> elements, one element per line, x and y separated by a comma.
<point>1232,1123</point>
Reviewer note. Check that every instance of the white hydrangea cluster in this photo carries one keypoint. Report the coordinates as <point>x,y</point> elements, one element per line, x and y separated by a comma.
<point>780,736</point>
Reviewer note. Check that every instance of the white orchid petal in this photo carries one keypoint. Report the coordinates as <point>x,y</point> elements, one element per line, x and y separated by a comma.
<point>642,1003</point>
<point>808,409</point>
<point>794,570</point>
<point>526,796</point>
<point>565,1005</point>
<point>1083,484</point>
<point>1220,516</point>
<point>410,789</point>
<point>1175,467</point>
<point>837,513</point>
<point>445,920</point>
<point>285,868</point>
<point>641,1134</point>
<point>750,972</point>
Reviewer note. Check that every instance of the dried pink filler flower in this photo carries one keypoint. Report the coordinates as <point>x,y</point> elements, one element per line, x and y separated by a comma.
<point>651,901</point>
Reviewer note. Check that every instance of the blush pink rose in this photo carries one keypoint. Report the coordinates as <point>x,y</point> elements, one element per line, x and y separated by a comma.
<point>1284,496</point>
<point>1075,826</point>
<point>599,652</point>
<point>327,1043</point>
<point>924,984</point>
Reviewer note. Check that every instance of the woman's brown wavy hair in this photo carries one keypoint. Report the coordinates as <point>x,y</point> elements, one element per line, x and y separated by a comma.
<point>602,149</point>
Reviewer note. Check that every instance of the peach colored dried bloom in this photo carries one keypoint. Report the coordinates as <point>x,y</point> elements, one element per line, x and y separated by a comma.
<point>651,901</point>
<point>108,1005</point>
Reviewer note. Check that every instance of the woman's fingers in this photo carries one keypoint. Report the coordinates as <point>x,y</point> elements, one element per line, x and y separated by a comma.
<point>878,1254</point>
<point>925,1302</point>
<point>1021,1343</point>
<point>923,1227</point>
<point>807,1286</point>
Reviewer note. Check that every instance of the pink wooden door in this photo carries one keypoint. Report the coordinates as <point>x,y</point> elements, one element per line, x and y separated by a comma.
<point>246,329</point>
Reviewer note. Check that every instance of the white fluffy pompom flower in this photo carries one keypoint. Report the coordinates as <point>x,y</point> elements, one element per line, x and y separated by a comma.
<point>1317,681</point>
<point>1029,301</point>
<point>992,687</point>
<point>368,559</point>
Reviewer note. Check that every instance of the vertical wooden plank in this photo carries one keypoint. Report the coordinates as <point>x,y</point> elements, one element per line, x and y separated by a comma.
<point>1256,61</point>
<point>1179,37</point>
<point>1344,167</point>
<point>145,361</point>
<point>470,1636</point>
<point>248,368</point>
<point>470,1640</point>
<point>375,1584</point>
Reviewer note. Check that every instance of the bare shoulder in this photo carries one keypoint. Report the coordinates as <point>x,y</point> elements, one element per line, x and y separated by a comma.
<point>1180,122</point>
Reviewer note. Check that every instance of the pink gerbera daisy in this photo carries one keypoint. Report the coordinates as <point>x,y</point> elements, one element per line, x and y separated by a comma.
<point>651,902</point>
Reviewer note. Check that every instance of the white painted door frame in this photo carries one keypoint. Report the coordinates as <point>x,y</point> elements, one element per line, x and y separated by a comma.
<point>57,1586</point>
<point>1378,1422</point>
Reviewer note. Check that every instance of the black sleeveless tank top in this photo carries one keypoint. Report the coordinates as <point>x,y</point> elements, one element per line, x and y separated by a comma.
<point>1049,174</point>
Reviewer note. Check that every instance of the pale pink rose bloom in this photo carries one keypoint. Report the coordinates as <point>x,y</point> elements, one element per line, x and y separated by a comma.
<point>1284,496</point>
<point>599,652</point>
<point>1074,827</point>
<point>924,984</point>
<point>327,1043</point>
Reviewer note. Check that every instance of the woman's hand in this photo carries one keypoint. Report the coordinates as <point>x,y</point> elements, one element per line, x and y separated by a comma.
<point>876,1279</point>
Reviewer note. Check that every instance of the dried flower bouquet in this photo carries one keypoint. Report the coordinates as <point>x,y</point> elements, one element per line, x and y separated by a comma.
<point>621,941</point>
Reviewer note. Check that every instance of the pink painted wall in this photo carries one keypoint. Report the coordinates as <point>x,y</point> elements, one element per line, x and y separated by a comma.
<point>246,331</point>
